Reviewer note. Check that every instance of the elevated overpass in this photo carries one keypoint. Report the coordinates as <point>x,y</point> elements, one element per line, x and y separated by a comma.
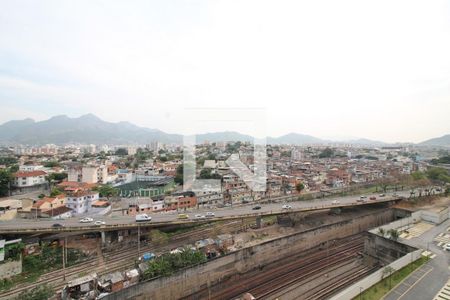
<point>26,227</point>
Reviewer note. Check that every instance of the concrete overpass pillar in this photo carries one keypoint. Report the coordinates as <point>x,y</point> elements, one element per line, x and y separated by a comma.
<point>103,234</point>
<point>258,222</point>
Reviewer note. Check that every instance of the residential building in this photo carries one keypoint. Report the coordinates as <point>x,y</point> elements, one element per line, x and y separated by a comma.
<point>80,201</point>
<point>23,179</point>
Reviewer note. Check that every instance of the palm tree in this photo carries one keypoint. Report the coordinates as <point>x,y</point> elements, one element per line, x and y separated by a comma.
<point>388,270</point>
<point>393,234</point>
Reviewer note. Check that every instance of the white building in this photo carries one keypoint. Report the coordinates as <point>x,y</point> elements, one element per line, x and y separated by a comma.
<point>296,154</point>
<point>27,179</point>
<point>81,202</point>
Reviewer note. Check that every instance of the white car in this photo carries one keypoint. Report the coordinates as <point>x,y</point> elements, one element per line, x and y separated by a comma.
<point>286,206</point>
<point>335,202</point>
<point>199,216</point>
<point>447,247</point>
<point>86,220</point>
<point>99,222</point>
<point>210,214</point>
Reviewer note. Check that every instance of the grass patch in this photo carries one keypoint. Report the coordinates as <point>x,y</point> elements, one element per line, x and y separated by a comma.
<point>269,220</point>
<point>380,289</point>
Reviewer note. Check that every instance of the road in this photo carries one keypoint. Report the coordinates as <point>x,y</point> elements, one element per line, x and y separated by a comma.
<point>429,279</point>
<point>242,210</point>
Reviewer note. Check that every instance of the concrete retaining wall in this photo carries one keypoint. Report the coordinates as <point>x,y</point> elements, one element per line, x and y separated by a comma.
<point>375,277</point>
<point>401,224</point>
<point>435,216</point>
<point>383,251</point>
<point>191,280</point>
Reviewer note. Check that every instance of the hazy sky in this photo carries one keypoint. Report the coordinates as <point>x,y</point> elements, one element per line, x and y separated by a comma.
<point>374,69</point>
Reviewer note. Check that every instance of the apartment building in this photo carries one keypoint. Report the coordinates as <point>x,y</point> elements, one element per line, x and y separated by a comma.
<point>80,201</point>
<point>24,179</point>
<point>88,173</point>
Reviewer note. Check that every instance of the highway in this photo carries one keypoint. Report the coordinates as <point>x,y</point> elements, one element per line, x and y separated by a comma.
<point>171,217</point>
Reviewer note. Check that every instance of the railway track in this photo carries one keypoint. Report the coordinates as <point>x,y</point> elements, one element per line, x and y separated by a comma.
<point>115,261</point>
<point>296,273</point>
<point>304,273</point>
<point>292,269</point>
<point>349,278</point>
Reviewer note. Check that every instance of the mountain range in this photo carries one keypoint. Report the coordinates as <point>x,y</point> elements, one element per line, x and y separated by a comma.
<point>89,129</point>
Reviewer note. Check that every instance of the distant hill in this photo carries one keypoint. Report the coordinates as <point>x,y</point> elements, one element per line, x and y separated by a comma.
<point>224,136</point>
<point>87,129</point>
<point>364,142</point>
<point>443,141</point>
<point>295,139</point>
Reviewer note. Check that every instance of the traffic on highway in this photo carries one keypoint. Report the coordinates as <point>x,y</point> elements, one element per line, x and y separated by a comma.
<point>203,214</point>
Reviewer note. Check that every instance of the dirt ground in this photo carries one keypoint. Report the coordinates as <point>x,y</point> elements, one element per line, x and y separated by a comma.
<point>424,203</point>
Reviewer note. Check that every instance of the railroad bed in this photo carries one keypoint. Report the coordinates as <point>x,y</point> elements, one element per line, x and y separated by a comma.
<point>119,260</point>
<point>284,276</point>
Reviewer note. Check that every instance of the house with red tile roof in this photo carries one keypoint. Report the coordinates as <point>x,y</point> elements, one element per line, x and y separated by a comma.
<point>24,179</point>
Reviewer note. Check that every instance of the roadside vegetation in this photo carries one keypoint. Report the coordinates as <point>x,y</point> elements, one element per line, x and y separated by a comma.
<point>33,266</point>
<point>167,264</point>
<point>390,279</point>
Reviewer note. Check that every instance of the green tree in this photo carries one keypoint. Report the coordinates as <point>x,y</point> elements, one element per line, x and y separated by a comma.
<point>387,271</point>
<point>299,187</point>
<point>5,180</point>
<point>418,175</point>
<point>438,174</point>
<point>14,251</point>
<point>8,161</point>
<point>58,177</point>
<point>55,192</point>
<point>207,174</point>
<point>441,160</point>
<point>393,234</point>
<point>121,152</point>
<point>107,191</point>
<point>326,153</point>
<point>179,175</point>
<point>51,164</point>
<point>169,263</point>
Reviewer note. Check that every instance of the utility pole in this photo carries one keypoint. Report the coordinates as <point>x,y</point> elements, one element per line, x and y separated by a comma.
<point>139,241</point>
<point>64,258</point>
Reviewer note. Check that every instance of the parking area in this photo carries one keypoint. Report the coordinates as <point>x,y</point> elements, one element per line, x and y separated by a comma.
<point>442,239</point>
<point>416,230</point>
<point>444,293</point>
